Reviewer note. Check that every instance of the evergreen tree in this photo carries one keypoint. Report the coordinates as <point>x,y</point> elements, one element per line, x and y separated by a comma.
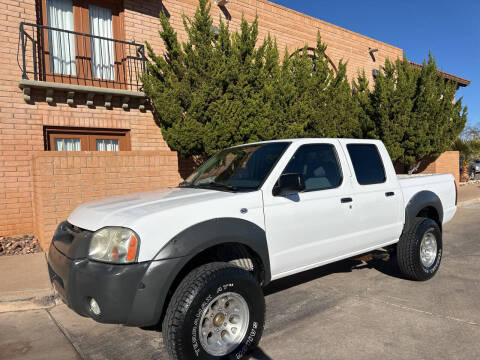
<point>391,102</point>
<point>436,119</point>
<point>219,90</point>
<point>363,104</point>
<point>209,93</point>
<point>414,112</point>
<point>317,101</point>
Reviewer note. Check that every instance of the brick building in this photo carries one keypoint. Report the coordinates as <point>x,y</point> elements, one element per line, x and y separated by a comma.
<point>73,121</point>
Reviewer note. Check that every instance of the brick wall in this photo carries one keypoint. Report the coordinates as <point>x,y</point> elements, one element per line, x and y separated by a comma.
<point>446,163</point>
<point>21,124</point>
<point>291,29</point>
<point>63,180</point>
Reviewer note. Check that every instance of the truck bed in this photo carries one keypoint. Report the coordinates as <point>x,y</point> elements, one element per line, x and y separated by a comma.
<point>441,184</point>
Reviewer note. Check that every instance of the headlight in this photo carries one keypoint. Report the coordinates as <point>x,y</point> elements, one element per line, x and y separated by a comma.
<point>114,244</point>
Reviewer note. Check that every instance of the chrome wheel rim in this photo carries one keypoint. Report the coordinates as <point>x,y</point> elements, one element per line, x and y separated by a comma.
<point>428,249</point>
<point>224,323</point>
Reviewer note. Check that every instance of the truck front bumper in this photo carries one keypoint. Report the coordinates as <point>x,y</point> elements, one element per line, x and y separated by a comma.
<point>131,294</point>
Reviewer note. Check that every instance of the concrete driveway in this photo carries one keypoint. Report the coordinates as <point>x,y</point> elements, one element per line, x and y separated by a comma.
<point>342,311</point>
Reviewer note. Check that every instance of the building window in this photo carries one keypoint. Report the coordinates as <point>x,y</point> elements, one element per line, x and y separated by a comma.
<point>77,45</point>
<point>62,44</point>
<point>86,139</point>
<point>107,145</point>
<point>67,144</point>
<point>103,66</point>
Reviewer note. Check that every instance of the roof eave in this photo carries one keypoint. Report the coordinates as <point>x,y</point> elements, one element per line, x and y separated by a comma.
<point>460,81</point>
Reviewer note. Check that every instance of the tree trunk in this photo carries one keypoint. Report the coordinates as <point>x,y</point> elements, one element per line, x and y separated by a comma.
<point>412,169</point>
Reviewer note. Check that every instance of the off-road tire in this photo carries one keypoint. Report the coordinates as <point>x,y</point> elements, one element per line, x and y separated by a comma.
<point>180,325</point>
<point>408,250</point>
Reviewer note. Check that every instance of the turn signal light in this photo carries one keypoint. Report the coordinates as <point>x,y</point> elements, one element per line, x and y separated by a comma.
<point>132,248</point>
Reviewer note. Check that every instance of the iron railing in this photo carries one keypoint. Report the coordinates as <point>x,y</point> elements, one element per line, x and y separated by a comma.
<point>52,54</point>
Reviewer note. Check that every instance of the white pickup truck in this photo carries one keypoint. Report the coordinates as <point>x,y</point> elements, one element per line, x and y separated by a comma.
<point>195,258</point>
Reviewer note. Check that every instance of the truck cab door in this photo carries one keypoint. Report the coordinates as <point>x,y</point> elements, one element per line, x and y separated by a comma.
<point>311,227</point>
<point>377,205</point>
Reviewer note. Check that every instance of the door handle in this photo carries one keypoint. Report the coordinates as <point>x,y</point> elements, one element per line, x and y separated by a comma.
<point>390,193</point>
<point>346,200</point>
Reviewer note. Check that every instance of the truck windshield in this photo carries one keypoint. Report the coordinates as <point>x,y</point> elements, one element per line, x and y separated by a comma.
<point>242,168</point>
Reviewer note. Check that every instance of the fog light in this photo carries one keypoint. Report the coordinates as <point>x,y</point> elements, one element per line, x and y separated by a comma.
<point>94,307</point>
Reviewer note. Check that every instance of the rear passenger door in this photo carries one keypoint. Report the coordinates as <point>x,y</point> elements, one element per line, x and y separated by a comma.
<point>311,227</point>
<point>376,198</point>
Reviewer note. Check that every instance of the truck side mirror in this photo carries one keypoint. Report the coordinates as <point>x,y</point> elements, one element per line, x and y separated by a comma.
<point>289,184</point>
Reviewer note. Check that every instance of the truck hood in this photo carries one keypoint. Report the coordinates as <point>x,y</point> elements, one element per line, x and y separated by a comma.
<point>157,216</point>
<point>123,210</point>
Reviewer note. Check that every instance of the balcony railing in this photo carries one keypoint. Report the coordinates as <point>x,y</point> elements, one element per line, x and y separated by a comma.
<point>70,57</point>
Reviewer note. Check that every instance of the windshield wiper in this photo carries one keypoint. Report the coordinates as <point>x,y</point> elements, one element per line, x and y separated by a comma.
<point>213,184</point>
<point>184,184</point>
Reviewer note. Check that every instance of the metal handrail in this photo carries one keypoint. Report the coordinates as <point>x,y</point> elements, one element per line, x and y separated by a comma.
<point>128,63</point>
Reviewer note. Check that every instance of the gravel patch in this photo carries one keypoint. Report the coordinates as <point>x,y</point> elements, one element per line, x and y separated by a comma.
<point>19,245</point>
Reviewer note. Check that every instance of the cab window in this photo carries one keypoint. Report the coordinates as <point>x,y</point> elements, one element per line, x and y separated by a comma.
<point>318,163</point>
<point>367,164</point>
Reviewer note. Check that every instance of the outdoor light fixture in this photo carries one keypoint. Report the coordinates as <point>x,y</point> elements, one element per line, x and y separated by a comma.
<point>372,52</point>
<point>215,31</point>
<point>375,72</point>
<point>221,2</point>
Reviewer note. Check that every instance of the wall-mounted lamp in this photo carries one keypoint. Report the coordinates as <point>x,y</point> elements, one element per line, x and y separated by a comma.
<point>372,53</point>
<point>215,31</point>
<point>375,72</point>
<point>221,2</point>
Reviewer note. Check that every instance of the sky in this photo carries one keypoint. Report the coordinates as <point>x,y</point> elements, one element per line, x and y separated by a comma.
<point>449,29</point>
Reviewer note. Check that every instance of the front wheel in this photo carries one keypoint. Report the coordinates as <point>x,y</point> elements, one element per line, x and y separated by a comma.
<point>419,250</point>
<point>217,312</point>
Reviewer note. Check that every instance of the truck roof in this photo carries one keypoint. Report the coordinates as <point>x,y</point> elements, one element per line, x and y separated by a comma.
<point>310,140</point>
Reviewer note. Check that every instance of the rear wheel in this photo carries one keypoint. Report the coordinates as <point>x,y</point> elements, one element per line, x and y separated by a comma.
<point>419,251</point>
<point>217,312</point>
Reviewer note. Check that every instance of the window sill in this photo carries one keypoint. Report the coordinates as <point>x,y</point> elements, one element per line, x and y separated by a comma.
<point>91,91</point>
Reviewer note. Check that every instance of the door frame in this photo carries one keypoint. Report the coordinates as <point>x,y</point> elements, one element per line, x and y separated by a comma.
<point>390,184</point>
<point>344,189</point>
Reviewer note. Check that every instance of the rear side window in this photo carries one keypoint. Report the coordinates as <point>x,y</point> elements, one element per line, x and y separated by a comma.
<point>367,163</point>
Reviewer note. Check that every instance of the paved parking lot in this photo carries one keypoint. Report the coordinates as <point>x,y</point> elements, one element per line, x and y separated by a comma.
<point>342,311</point>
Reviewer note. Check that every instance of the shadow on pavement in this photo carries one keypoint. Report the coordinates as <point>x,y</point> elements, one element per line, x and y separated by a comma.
<point>379,261</point>
<point>384,266</point>
<point>257,354</point>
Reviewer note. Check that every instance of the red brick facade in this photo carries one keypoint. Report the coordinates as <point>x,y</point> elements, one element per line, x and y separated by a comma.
<point>27,176</point>
<point>447,163</point>
<point>291,29</point>
<point>63,180</point>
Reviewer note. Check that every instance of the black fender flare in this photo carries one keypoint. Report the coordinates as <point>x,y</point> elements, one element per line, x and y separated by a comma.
<point>199,237</point>
<point>150,301</point>
<point>420,201</point>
